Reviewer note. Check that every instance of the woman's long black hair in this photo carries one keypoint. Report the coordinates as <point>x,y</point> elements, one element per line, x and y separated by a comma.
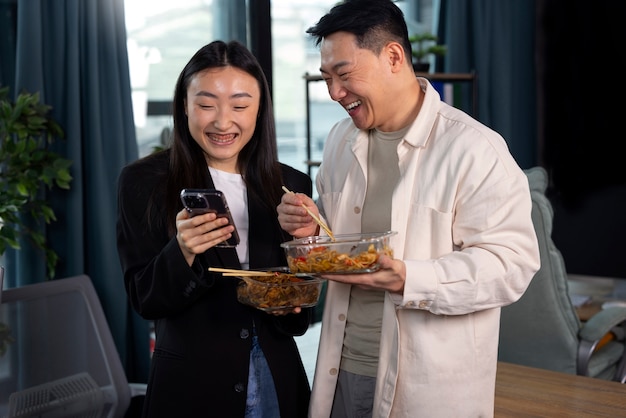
<point>257,161</point>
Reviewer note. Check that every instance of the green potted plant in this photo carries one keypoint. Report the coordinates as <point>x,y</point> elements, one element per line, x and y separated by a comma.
<point>27,169</point>
<point>424,44</point>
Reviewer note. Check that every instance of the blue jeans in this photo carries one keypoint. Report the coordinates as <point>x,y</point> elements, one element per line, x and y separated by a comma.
<point>262,401</point>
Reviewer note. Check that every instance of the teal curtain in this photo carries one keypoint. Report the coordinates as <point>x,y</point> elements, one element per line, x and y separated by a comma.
<point>8,11</point>
<point>496,39</point>
<point>74,53</point>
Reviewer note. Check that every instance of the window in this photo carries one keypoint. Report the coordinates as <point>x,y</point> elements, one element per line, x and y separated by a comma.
<point>294,54</point>
<point>162,37</point>
<point>164,34</point>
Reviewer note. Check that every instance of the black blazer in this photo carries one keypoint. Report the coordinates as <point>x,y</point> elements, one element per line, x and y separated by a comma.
<point>203,334</point>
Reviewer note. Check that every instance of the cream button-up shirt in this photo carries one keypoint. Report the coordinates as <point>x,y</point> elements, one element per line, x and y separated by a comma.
<point>462,210</point>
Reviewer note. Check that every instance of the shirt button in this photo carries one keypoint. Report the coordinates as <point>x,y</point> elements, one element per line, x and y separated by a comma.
<point>239,387</point>
<point>333,372</point>
<point>423,304</point>
<point>357,210</point>
<point>244,333</point>
<point>341,317</point>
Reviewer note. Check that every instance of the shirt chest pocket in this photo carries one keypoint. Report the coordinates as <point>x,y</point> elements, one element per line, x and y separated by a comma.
<point>429,233</point>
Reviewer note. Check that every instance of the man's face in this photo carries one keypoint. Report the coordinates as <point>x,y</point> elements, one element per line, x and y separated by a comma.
<point>355,79</point>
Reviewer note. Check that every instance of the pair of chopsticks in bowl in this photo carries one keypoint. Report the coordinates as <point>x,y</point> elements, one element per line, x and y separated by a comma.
<point>315,218</point>
<point>239,273</point>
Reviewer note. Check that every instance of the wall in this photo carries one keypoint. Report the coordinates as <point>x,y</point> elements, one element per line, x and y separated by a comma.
<point>583,131</point>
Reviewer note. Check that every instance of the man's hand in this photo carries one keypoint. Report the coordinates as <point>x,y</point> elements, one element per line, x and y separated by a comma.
<point>390,277</point>
<point>293,218</point>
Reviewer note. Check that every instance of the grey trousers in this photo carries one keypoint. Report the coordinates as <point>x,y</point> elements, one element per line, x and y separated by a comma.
<point>354,396</point>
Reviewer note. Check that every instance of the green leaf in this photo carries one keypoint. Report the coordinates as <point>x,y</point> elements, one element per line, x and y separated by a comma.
<point>27,169</point>
<point>23,189</point>
<point>48,214</point>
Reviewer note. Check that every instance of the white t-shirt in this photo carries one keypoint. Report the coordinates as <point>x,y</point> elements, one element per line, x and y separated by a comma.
<point>234,188</point>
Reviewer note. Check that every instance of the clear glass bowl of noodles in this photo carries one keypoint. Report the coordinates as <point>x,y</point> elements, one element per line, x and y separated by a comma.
<point>346,254</point>
<point>281,290</point>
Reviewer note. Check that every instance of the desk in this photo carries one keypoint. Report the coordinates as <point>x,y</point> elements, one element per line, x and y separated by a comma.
<point>586,311</point>
<point>530,392</point>
<point>598,290</point>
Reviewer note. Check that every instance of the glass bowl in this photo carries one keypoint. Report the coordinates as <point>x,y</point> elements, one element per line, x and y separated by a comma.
<point>280,291</point>
<point>347,254</point>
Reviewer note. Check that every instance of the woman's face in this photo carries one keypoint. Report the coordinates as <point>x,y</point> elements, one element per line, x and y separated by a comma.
<point>222,106</point>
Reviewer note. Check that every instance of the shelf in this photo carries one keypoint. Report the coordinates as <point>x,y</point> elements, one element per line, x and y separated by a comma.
<point>442,77</point>
<point>431,76</point>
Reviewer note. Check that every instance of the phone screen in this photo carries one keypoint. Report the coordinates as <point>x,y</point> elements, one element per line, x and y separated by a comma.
<point>200,201</point>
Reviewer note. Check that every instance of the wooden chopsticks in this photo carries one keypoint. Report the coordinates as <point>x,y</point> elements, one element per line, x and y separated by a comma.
<point>315,218</point>
<point>235,272</point>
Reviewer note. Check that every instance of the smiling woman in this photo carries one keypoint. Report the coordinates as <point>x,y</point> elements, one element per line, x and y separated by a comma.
<point>223,138</point>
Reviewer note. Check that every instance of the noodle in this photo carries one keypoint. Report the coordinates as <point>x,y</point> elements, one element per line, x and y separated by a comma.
<point>279,291</point>
<point>324,260</point>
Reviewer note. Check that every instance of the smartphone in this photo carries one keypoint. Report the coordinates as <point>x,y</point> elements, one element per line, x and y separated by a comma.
<point>200,201</point>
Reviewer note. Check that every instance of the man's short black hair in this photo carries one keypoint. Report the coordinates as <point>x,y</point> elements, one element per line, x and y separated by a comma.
<point>373,22</point>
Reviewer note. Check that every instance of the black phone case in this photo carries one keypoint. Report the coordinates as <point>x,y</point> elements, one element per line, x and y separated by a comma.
<point>200,201</point>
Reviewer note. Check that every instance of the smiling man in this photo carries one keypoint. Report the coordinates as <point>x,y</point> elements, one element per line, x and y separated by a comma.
<point>419,337</point>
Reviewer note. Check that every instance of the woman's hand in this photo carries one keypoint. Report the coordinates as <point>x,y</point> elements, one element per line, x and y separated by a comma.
<point>283,312</point>
<point>293,218</point>
<point>197,234</point>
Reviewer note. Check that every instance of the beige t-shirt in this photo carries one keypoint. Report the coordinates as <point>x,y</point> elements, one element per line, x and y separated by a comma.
<point>365,312</point>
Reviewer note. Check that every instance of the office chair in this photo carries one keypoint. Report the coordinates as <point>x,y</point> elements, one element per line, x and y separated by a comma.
<point>542,329</point>
<point>62,361</point>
